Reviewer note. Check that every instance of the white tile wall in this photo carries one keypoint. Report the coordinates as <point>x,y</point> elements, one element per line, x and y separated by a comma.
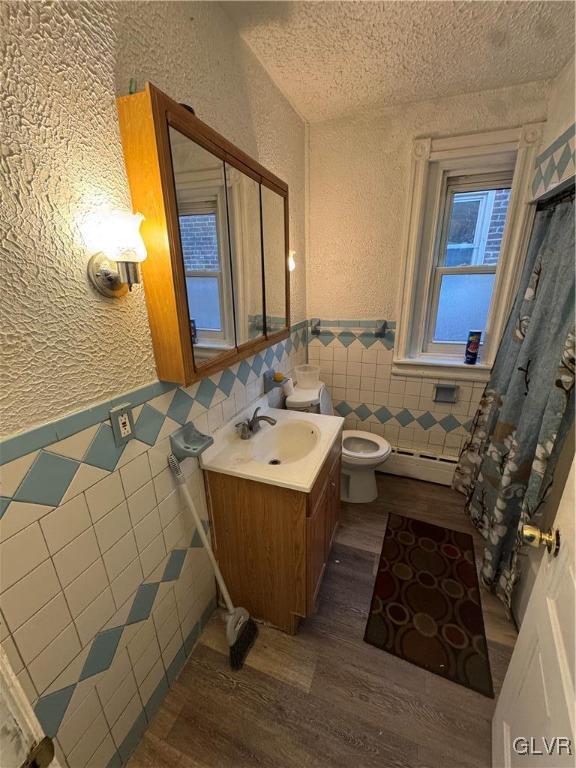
<point>69,572</point>
<point>357,376</point>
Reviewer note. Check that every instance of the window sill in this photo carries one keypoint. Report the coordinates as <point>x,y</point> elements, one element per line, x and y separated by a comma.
<point>441,368</point>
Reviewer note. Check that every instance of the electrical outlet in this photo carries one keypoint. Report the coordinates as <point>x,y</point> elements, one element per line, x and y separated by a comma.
<point>122,423</point>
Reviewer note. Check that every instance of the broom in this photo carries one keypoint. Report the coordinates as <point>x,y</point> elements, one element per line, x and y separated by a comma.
<point>241,630</point>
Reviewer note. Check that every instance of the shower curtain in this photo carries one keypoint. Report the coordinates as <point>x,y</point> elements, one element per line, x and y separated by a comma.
<point>507,467</point>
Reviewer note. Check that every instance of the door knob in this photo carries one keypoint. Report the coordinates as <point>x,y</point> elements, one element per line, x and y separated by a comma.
<point>534,537</point>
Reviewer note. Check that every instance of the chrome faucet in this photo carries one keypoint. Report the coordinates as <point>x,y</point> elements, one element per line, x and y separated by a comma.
<point>249,427</point>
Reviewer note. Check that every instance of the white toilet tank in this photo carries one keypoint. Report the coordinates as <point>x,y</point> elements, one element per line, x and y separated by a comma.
<point>316,400</point>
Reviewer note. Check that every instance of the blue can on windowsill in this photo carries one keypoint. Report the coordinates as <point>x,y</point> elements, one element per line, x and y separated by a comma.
<point>472,347</point>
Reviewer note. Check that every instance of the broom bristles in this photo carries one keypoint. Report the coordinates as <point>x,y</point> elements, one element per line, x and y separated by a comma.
<point>244,642</point>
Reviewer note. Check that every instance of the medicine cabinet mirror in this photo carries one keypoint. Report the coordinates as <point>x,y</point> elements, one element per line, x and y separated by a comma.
<point>216,229</point>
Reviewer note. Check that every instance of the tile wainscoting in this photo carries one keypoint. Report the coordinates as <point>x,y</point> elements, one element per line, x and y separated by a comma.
<point>355,360</point>
<point>104,585</point>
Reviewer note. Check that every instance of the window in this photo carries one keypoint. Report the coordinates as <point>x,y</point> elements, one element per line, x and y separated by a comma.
<point>467,232</point>
<point>206,275</point>
<point>466,260</point>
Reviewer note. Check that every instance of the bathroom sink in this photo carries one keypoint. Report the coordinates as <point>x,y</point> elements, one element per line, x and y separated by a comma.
<point>289,453</point>
<point>285,442</point>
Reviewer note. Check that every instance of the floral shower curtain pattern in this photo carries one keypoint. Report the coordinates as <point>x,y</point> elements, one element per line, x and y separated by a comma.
<point>507,467</point>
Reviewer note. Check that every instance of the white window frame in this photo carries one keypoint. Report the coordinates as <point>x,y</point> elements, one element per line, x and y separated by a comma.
<point>203,192</point>
<point>492,155</point>
<point>453,185</point>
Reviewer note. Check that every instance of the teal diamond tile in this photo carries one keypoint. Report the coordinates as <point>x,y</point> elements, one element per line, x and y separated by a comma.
<point>47,479</point>
<point>174,565</point>
<point>243,371</point>
<point>175,666</point>
<point>566,157</point>
<point>279,351</point>
<point>143,602</point>
<point>404,417</point>
<point>4,502</point>
<point>115,761</point>
<point>102,652</point>
<point>383,415</point>
<point>193,635</point>
<point>388,339</point>
<point>133,738</point>
<point>103,451</point>
<point>180,406</point>
<point>549,171</point>
<point>153,704</point>
<point>269,357</point>
<point>468,425</point>
<point>363,412</point>
<point>449,423</point>
<point>50,709</point>
<point>297,341</point>
<point>148,424</point>
<point>367,339</point>
<point>258,364</point>
<point>196,540</point>
<point>426,420</point>
<point>343,409</point>
<point>326,337</point>
<point>288,345</point>
<point>206,392</point>
<point>346,338</point>
<point>226,381</point>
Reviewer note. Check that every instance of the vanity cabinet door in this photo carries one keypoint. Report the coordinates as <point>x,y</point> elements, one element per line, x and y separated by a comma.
<point>316,547</point>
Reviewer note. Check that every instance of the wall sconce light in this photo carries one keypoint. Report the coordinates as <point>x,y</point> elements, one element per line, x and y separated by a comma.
<point>291,261</point>
<point>113,269</point>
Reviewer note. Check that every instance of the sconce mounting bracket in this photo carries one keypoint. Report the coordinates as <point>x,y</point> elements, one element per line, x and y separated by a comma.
<point>105,277</point>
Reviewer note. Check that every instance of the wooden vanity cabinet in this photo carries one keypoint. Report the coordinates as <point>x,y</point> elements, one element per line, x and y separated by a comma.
<point>272,543</point>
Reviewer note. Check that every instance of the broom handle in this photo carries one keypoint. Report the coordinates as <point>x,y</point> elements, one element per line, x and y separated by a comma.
<point>207,547</point>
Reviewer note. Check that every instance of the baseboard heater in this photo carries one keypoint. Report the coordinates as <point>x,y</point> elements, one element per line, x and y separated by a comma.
<point>420,464</point>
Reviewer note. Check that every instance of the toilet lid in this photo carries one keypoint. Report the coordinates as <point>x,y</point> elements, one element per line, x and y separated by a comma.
<point>356,442</point>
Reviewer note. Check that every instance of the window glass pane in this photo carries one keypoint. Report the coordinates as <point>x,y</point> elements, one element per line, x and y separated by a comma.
<point>463,306</point>
<point>199,237</point>
<point>204,302</point>
<point>475,227</point>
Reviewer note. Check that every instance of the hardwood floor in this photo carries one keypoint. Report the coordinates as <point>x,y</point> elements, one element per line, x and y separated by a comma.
<point>324,697</point>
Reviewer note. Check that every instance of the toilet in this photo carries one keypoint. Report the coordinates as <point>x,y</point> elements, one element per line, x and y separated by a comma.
<point>362,451</point>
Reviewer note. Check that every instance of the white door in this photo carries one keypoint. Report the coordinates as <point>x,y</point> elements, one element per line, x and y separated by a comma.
<point>533,723</point>
<point>20,731</point>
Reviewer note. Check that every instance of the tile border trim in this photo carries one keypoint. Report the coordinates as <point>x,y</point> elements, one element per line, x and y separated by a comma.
<point>41,436</point>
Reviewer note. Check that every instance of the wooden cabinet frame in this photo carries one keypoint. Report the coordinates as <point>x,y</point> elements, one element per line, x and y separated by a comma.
<point>145,119</point>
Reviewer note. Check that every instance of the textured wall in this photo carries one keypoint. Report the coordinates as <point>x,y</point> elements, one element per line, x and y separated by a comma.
<point>359,171</point>
<point>63,345</point>
<point>561,105</point>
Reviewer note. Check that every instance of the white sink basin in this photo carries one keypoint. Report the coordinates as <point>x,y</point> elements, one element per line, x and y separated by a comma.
<point>285,442</point>
<point>289,454</point>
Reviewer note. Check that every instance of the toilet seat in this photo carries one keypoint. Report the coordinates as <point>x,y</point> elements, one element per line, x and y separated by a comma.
<point>360,447</point>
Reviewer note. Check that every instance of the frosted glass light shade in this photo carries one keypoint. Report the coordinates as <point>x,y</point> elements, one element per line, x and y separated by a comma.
<point>120,238</point>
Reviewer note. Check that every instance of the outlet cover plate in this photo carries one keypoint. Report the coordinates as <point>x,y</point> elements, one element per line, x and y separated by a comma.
<point>116,414</point>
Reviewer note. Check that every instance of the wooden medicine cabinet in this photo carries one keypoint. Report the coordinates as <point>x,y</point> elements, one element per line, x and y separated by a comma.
<point>216,231</point>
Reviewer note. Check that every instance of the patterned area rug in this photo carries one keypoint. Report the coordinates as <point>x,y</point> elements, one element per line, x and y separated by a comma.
<point>426,605</point>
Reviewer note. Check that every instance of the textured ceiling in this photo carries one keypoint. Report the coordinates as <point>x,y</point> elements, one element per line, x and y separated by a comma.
<point>332,57</point>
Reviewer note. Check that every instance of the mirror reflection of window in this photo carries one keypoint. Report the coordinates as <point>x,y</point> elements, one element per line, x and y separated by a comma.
<point>202,218</point>
<point>246,249</point>
<point>274,259</point>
